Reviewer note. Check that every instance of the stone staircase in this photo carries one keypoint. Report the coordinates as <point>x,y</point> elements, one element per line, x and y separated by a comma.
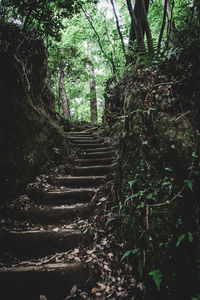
<point>72,198</point>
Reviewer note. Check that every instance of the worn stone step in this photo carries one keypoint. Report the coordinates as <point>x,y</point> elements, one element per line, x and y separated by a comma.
<point>82,138</point>
<point>89,136</point>
<point>39,242</point>
<point>90,146</point>
<point>97,155</point>
<point>70,196</point>
<point>88,150</point>
<point>90,170</point>
<point>88,141</point>
<point>94,161</point>
<point>52,280</point>
<point>79,181</point>
<point>75,133</point>
<point>58,214</point>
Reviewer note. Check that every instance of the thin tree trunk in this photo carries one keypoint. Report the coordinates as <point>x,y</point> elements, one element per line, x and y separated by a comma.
<point>141,44</point>
<point>93,97</point>
<point>99,42</point>
<point>136,24</point>
<point>147,29</point>
<point>63,96</point>
<point>163,25</point>
<point>118,28</point>
<point>197,10</point>
<point>170,25</point>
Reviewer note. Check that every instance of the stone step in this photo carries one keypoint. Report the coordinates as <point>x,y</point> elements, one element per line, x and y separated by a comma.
<point>88,150</point>
<point>80,137</point>
<point>75,133</point>
<point>52,280</point>
<point>97,155</point>
<point>94,162</point>
<point>87,141</point>
<point>90,170</point>
<point>39,242</point>
<point>79,181</point>
<point>90,146</point>
<point>71,196</point>
<point>58,214</point>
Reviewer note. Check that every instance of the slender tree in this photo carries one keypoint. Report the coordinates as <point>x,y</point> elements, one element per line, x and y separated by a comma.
<point>93,96</point>
<point>136,23</point>
<point>147,29</point>
<point>108,58</point>
<point>163,25</point>
<point>63,95</point>
<point>118,29</point>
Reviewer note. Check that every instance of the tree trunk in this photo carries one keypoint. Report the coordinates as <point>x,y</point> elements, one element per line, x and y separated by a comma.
<point>136,23</point>
<point>147,28</point>
<point>109,59</point>
<point>171,24</point>
<point>63,96</point>
<point>163,25</point>
<point>118,28</point>
<point>197,9</point>
<point>93,97</point>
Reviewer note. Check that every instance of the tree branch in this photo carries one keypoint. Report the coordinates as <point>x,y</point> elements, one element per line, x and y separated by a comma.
<point>99,41</point>
<point>118,28</point>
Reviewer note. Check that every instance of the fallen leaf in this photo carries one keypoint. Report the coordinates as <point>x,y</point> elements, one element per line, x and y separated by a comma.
<point>42,297</point>
<point>102,286</point>
<point>95,290</point>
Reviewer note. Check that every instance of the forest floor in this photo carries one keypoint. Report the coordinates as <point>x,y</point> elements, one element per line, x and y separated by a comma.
<point>115,278</point>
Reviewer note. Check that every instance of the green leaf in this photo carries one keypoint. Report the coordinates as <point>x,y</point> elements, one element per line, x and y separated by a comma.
<point>166,183</point>
<point>190,236</point>
<point>190,184</point>
<point>149,196</point>
<point>194,155</point>
<point>145,143</point>
<point>180,239</point>
<point>131,183</point>
<point>130,197</point>
<point>168,169</point>
<point>56,150</point>
<point>141,205</point>
<point>128,252</point>
<point>109,221</point>
<point>157,277</point>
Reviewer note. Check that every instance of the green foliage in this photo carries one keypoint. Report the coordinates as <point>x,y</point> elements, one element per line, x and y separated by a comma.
<point>157,277</point>
<point>44,17</point>
<point>129,252</point>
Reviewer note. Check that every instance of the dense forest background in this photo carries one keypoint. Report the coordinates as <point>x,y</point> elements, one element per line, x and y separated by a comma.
<point>132,66</point>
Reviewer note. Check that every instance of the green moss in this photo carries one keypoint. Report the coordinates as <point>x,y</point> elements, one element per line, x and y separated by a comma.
<point>28,133</point>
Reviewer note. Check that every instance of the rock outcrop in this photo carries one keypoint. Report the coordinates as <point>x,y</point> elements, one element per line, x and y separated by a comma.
<point>29,127</point>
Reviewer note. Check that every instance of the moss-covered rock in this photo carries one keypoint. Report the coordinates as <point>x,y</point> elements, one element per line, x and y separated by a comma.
<point>29,128</point>
<point>155,113</point>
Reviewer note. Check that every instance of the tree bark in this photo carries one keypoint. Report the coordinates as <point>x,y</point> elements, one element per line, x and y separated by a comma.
<point>163,25</point>
<point>63,96</point>
<point>136,23</point>
<point>93,97</point>
<point>147,28</point>
<point>197,10</point>
<point>118,28</point>
<point>170,24</point>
